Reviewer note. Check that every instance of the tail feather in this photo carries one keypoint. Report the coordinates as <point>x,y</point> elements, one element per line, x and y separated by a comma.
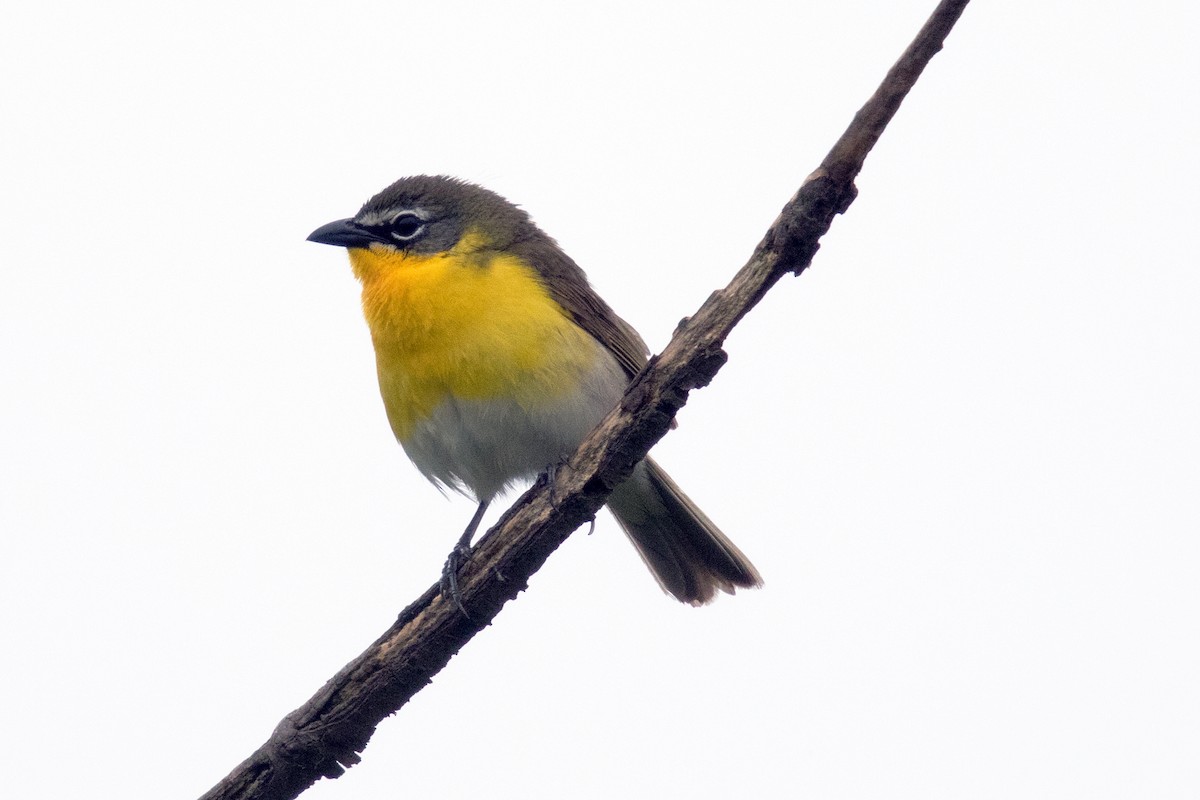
<point>687,554</point>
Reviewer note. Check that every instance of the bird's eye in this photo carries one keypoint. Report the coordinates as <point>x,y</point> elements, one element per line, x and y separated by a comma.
<point>406,227</point>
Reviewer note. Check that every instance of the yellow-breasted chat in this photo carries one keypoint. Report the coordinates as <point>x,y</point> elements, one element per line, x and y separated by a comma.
<point>495,359</point>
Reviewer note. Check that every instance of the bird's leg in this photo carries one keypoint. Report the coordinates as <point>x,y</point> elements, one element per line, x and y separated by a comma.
<point>459,556</point>
<point>552,472</point>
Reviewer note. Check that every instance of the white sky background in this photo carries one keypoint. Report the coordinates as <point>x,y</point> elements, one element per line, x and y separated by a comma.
<point>962,448</point>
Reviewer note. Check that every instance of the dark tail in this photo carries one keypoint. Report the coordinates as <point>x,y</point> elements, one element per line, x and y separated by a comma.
<point>689,556</point>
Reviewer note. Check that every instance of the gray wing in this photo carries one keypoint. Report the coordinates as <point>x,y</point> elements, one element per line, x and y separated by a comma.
<point>569,287</point>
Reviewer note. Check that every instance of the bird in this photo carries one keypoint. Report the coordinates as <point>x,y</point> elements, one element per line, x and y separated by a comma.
<point>495,358</point>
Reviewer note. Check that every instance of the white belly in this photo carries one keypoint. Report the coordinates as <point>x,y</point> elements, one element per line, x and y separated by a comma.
<point>484,445</point>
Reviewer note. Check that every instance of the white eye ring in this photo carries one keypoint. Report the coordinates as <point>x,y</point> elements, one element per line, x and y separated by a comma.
<point>406,226</point>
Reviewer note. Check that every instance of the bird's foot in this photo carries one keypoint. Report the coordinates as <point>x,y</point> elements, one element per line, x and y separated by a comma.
<point>551,472</point>
<point>459,556</point>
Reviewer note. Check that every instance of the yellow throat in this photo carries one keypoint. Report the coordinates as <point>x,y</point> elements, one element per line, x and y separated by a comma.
<point>471,323</point>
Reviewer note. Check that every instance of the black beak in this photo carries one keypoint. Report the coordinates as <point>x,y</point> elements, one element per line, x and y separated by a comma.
<point>343,233</point>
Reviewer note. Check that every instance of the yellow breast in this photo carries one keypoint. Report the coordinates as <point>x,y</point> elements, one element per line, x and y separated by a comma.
<point>470,323</point>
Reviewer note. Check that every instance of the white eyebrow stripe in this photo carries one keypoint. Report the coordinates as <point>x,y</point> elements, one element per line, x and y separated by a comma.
<point>387,216</point>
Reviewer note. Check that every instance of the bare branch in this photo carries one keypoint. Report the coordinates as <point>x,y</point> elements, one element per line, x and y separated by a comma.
<point>326,734</point>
